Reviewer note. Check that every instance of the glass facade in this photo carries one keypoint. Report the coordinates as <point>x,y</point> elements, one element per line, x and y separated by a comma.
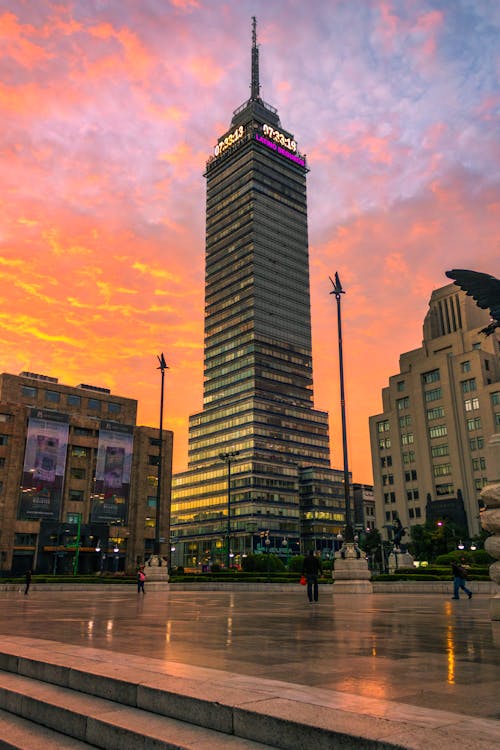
<point>258,384</point>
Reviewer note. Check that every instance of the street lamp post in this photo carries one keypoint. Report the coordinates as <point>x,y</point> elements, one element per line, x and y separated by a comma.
<point>338,292</point>
<point>157,546</point>
<point>227,457</point>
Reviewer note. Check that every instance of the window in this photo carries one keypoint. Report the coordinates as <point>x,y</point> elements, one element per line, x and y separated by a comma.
<point>24,540</point>
<point>411,512</point>
<point>417,513</point>
<point>480,482</point>
<point>471,403</point>
<point>76,495</point>
<point>444,489</point>
<point>476,345</point>
<point>1,487</point>
<point>384,443</point>
<point>400,385</point>
<point>73,518</point>
<point>495,398</point>
<point>465,366</point>
<point>439,430</point>
<point>114,408</point>
<point>468,385</point>
<point>4,439</point>
<point>440,450</point>
<point>84,431</point>
<point>412,494</point>
<point>410,476</point>
<point>77,451</point>
<point>407,438</point>
<point>2,462</point>
<point>405,421</point>
<point>29,392</point>
<point>151,501</point>
<point>434,395</point>
<point>431,377</point>
<point>383,426</point>
<point>387,479</point>
<point>73,400</point>
<point>5,417</point>
<point>435,413</point>
<point>474,424</point>
<point>77,473</point>
<point>52,396</point>
<point>94,404</point>
<point>478,463</point>
<point>497,420</point>
<point>409,457</point>
<point>403,403</point>
<point>441,470</point>
<point>153,460</point>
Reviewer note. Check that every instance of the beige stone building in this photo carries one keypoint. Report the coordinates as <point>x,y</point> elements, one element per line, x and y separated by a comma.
<point>429,444</point>
<point>78,478</point>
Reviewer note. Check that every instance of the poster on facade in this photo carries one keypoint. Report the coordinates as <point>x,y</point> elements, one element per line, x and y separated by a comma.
<point>44,466</point>
<point>112,478</point>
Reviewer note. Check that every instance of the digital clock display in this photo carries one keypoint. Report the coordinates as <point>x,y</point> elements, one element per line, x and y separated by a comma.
<point>278,137</point>
<point>229,140</point>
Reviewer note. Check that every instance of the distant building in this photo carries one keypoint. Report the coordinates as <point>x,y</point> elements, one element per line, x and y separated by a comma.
<point>364,507</point>
<point>76,473</point>
<point>258,386</point>
<point>429,444</point>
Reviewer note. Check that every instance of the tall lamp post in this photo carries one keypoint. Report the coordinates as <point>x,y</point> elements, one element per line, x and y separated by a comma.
<point>227,457</point>
<point>349,533</point>
<point>157,546</point>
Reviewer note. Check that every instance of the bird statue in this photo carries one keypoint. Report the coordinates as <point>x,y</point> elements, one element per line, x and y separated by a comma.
<point>484,289</point>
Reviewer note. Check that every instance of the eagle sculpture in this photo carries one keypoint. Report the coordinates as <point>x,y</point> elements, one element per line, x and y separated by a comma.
<point>484,289</point>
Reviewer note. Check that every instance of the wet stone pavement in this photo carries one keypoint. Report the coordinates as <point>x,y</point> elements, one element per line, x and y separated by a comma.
<point>422,650</point>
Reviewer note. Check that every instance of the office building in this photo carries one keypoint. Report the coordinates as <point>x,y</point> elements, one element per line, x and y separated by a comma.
<point>78,478</point>
<point>364,507</point>
<point>430,443</point>
<point>258,382</point>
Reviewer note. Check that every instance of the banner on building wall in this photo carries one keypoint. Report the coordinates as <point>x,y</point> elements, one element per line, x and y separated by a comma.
<point>112,477</point>
<point>44,465</point>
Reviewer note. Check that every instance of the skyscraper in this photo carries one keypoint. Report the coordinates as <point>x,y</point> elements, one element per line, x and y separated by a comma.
<point>258,386</point>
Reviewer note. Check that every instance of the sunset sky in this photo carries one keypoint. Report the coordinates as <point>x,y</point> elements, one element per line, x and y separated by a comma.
<point>109,110</point>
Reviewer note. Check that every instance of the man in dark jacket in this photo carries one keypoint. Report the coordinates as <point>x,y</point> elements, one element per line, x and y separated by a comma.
<point>459,576</point>
<point>311,569</point>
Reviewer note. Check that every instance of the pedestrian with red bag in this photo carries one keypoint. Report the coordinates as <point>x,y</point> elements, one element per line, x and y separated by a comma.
<point>311,569</point>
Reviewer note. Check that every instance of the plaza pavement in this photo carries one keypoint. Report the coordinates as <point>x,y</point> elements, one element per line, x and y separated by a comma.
<point>423,660</point>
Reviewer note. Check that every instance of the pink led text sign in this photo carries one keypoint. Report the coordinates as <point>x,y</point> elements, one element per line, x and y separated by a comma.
<point>280,150</point>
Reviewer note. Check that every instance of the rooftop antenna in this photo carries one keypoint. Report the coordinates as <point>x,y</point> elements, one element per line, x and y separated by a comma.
<point>255,85</point>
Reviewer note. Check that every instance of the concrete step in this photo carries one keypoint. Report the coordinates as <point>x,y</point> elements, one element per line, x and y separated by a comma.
<point>17,733</point>
<point>103,697</point>
<point>100,723</point>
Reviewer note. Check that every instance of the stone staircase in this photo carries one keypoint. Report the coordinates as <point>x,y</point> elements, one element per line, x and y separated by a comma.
<point>55,696</point>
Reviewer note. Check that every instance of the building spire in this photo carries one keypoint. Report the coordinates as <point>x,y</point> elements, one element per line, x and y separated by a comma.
<point>255,85</point>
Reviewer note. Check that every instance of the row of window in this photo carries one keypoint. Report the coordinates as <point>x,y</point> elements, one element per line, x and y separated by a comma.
<point>72,399</point>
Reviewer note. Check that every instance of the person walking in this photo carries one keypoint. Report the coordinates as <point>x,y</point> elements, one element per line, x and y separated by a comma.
<point>311,568</point>
<point>141,577</point>
<point>27,579</point>
<point>459,578</point>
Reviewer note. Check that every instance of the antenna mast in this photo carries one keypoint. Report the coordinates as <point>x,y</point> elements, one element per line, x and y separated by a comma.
<point>255,85</point>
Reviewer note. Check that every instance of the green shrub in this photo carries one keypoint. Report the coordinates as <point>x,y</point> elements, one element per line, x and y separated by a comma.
<point>263,563</point>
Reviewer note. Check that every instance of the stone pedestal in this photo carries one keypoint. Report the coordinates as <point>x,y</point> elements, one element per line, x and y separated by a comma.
<point>351,574</point>
<point>399,559</point>
<point>156,569</point>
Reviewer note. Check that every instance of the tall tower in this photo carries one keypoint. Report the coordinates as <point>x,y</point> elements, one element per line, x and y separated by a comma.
<point>258,386</point>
